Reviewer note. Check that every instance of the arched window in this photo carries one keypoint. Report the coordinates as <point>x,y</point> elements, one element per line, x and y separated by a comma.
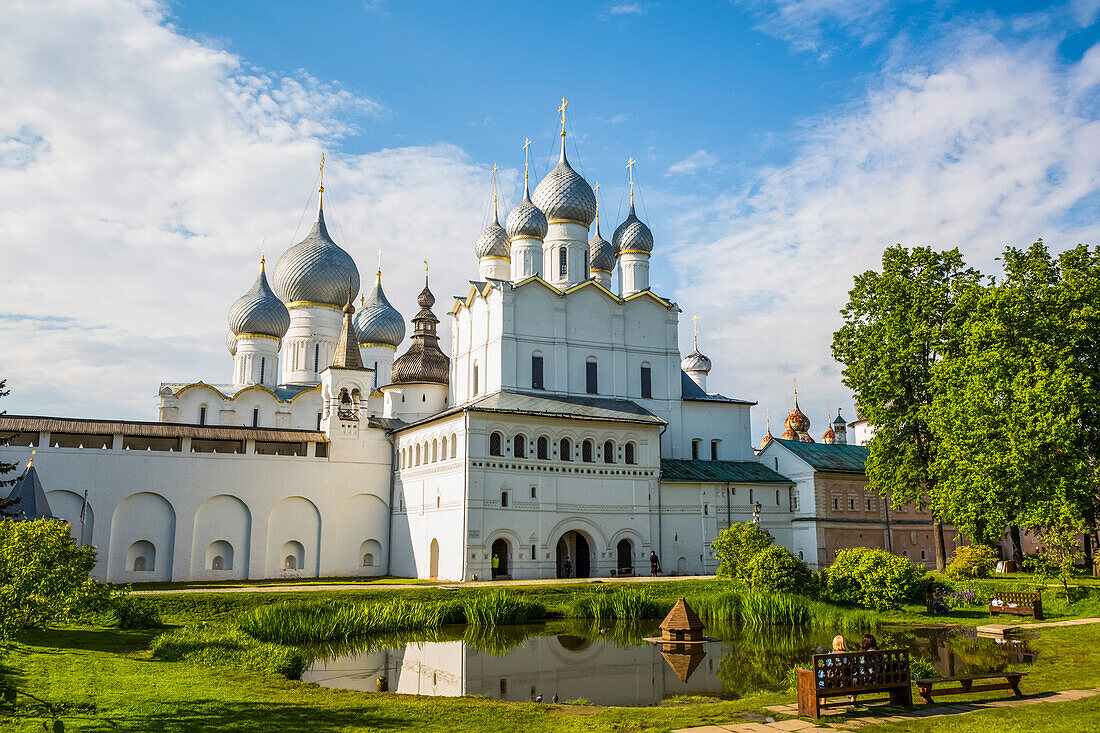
<point>591,376</point>
<point>519,446</point>
<point>563,261</point>
<point>631,458</point>
<point>647,381</point>
<point>504,498</point>
<point>537,381</point>
<point>543,447</point>
<point>454,445</point>
<point>418,454</point>
<point>202,414</point>
<point>403,458</point>
<point>443,451</point>
<point>435,450</point>
<point>565,450</point>
<point>476,381</point>
<point>588,449</point>
<point>695,443</point>
<point>608,452</point>
<point>495,442</point>
<point>714,444</point>
<point>317,357</point>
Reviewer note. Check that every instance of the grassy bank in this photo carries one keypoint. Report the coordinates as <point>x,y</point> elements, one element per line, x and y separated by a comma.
<point>107,680</point>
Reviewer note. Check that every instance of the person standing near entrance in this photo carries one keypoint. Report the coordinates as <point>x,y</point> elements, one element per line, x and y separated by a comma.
<point>568,567</point>
<point>496,565</point>
<point>654,563</point>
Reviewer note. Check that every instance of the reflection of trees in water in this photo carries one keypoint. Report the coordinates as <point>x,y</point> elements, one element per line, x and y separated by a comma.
<point>496,641</point>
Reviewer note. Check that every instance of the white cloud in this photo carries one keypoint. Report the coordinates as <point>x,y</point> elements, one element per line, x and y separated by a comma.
<point>696,161</point>
<point>626,9</point>
<point>139,171</point>
<point>994,145</point>
<point>805,23</point>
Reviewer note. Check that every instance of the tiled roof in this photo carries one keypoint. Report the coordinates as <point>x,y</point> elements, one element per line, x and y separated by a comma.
<point>32,503</point>
<point>823,457</point>
<point>689,390</point>
<point>36,424</point>
<point>676,470</point>
<point>682,618</point>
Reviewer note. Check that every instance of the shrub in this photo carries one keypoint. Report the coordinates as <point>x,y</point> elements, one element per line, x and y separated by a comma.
<point>44,576</point>
<point>774,569</point>
<point>872,578</point>
<point>736,546</point>
<point>134,613</point>
<point>972,561</point>
<point>921,669</point>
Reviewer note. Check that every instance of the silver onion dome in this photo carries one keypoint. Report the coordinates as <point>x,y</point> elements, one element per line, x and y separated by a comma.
<point>378,322</point>
<point>601,255</point>
<point>632,235</point>
<point>316,270</point>
<point>231,342</point>
<point>526,220</point>
<point>493,242</point>
<point>259,311</point>
<point>696,361</point>
<point>564,194</point>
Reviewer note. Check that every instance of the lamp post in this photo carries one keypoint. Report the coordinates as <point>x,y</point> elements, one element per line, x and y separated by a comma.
<point>756,513</point>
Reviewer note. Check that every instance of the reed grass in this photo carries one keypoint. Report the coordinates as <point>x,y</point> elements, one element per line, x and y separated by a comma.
<point>623,604</point>
<point>498,608</point>
<point>308,622</point>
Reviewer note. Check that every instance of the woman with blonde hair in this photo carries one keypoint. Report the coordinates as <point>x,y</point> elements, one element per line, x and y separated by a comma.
<point>839,645</point>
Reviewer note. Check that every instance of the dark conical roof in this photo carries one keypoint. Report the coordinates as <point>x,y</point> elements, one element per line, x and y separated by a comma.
<point>347,347</point>
<point>423,362</point>
<point>32,503</point>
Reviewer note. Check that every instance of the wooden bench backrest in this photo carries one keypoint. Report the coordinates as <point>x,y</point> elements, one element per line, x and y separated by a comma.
<point>1020,598</point>
<point>837,674</point>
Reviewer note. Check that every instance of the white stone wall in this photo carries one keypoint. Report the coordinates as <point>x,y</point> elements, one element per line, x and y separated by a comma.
<point>180,510</point>
<point>185,406</point>
<point>704,421</point>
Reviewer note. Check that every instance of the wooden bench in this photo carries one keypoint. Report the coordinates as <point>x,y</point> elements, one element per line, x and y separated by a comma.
<point>966,684</point>
<point>1026,604</point>
<point>854,673</point>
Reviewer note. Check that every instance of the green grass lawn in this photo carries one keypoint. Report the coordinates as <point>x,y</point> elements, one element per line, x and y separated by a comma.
<point>105,679</point>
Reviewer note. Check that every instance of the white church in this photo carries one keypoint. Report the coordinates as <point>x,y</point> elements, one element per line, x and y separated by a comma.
<point>564,433</point>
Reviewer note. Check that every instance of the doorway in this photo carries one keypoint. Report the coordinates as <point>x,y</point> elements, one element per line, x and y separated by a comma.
<point>500,552</point>
<point>433,562</point>
<point>574,546</point>
<point>625,553</point>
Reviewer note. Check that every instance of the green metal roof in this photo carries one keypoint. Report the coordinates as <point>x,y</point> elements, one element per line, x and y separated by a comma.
<point>825,457</point>
<point>674,470</point>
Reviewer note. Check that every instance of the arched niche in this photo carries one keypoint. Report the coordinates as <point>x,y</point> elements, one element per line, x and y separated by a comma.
<point>294,519</point>
<point>142,517</point>
<point>221,518</point>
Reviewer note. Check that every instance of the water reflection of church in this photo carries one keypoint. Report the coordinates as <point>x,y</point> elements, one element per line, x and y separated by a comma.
<point>570,666</point>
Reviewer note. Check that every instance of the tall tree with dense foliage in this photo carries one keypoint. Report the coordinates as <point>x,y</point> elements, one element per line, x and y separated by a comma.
<point>1012,399</point>
<point>896,325</point>
<point>6,505</point>
<point>44,576</point>
<point>737,546</point>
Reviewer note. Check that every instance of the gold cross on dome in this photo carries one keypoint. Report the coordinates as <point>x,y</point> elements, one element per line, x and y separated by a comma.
<point>695,329</point>
<point>561,111</point>
<point>322,188</point>
<point>630,170</point>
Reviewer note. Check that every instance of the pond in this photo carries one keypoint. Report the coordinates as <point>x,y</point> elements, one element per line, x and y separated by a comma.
<point>612,665</point>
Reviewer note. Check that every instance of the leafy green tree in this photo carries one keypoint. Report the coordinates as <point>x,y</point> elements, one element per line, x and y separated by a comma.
<point>1059,552</point>
<point>897,324</point>
<point>1010,402</point>
<point>6,468</point>
<point>44,576</point>
<point>872,578</point>
<point>736,546</point>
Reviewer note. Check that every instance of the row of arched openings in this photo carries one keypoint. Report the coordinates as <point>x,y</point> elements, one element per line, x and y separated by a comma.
<point>566,449</point>
<point>437,450</point>
<point>142,555</point>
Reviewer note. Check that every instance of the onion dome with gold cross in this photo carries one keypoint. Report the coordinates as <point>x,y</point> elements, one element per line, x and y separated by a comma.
<point>564,195</point>
<point>797,420</point>
<point>526,220</point>
<point>768,437</point>
<point>316,271</point>
<point>259,311</point>
<point>829,436</point>
<point>632,235</point>
<point>377,322</point>
<point>493,241</point>
<point>423,362</point>
<point>601,255</point>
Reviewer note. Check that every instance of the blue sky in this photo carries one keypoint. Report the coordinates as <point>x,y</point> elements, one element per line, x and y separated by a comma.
<point>149,147</point>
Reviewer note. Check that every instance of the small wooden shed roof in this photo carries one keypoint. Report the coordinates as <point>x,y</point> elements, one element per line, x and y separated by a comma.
<point>682,618</point>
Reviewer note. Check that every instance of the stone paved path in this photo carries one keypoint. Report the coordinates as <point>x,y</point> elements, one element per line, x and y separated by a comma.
<point>402,586</point>
<point>936,711</point>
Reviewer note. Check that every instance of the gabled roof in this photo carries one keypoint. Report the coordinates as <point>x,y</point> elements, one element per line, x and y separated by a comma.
<point>570,407</point>
<point>283,393</point>
<point>676,470</point>
<point>824,457</point>
<point>689,390</point>
<point>32,502</point>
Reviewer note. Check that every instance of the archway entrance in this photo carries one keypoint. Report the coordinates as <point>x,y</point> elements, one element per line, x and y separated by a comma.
<point>433,562</point>
<point>574,546</point>
<point>625,553</point>
<point>500,552</point>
